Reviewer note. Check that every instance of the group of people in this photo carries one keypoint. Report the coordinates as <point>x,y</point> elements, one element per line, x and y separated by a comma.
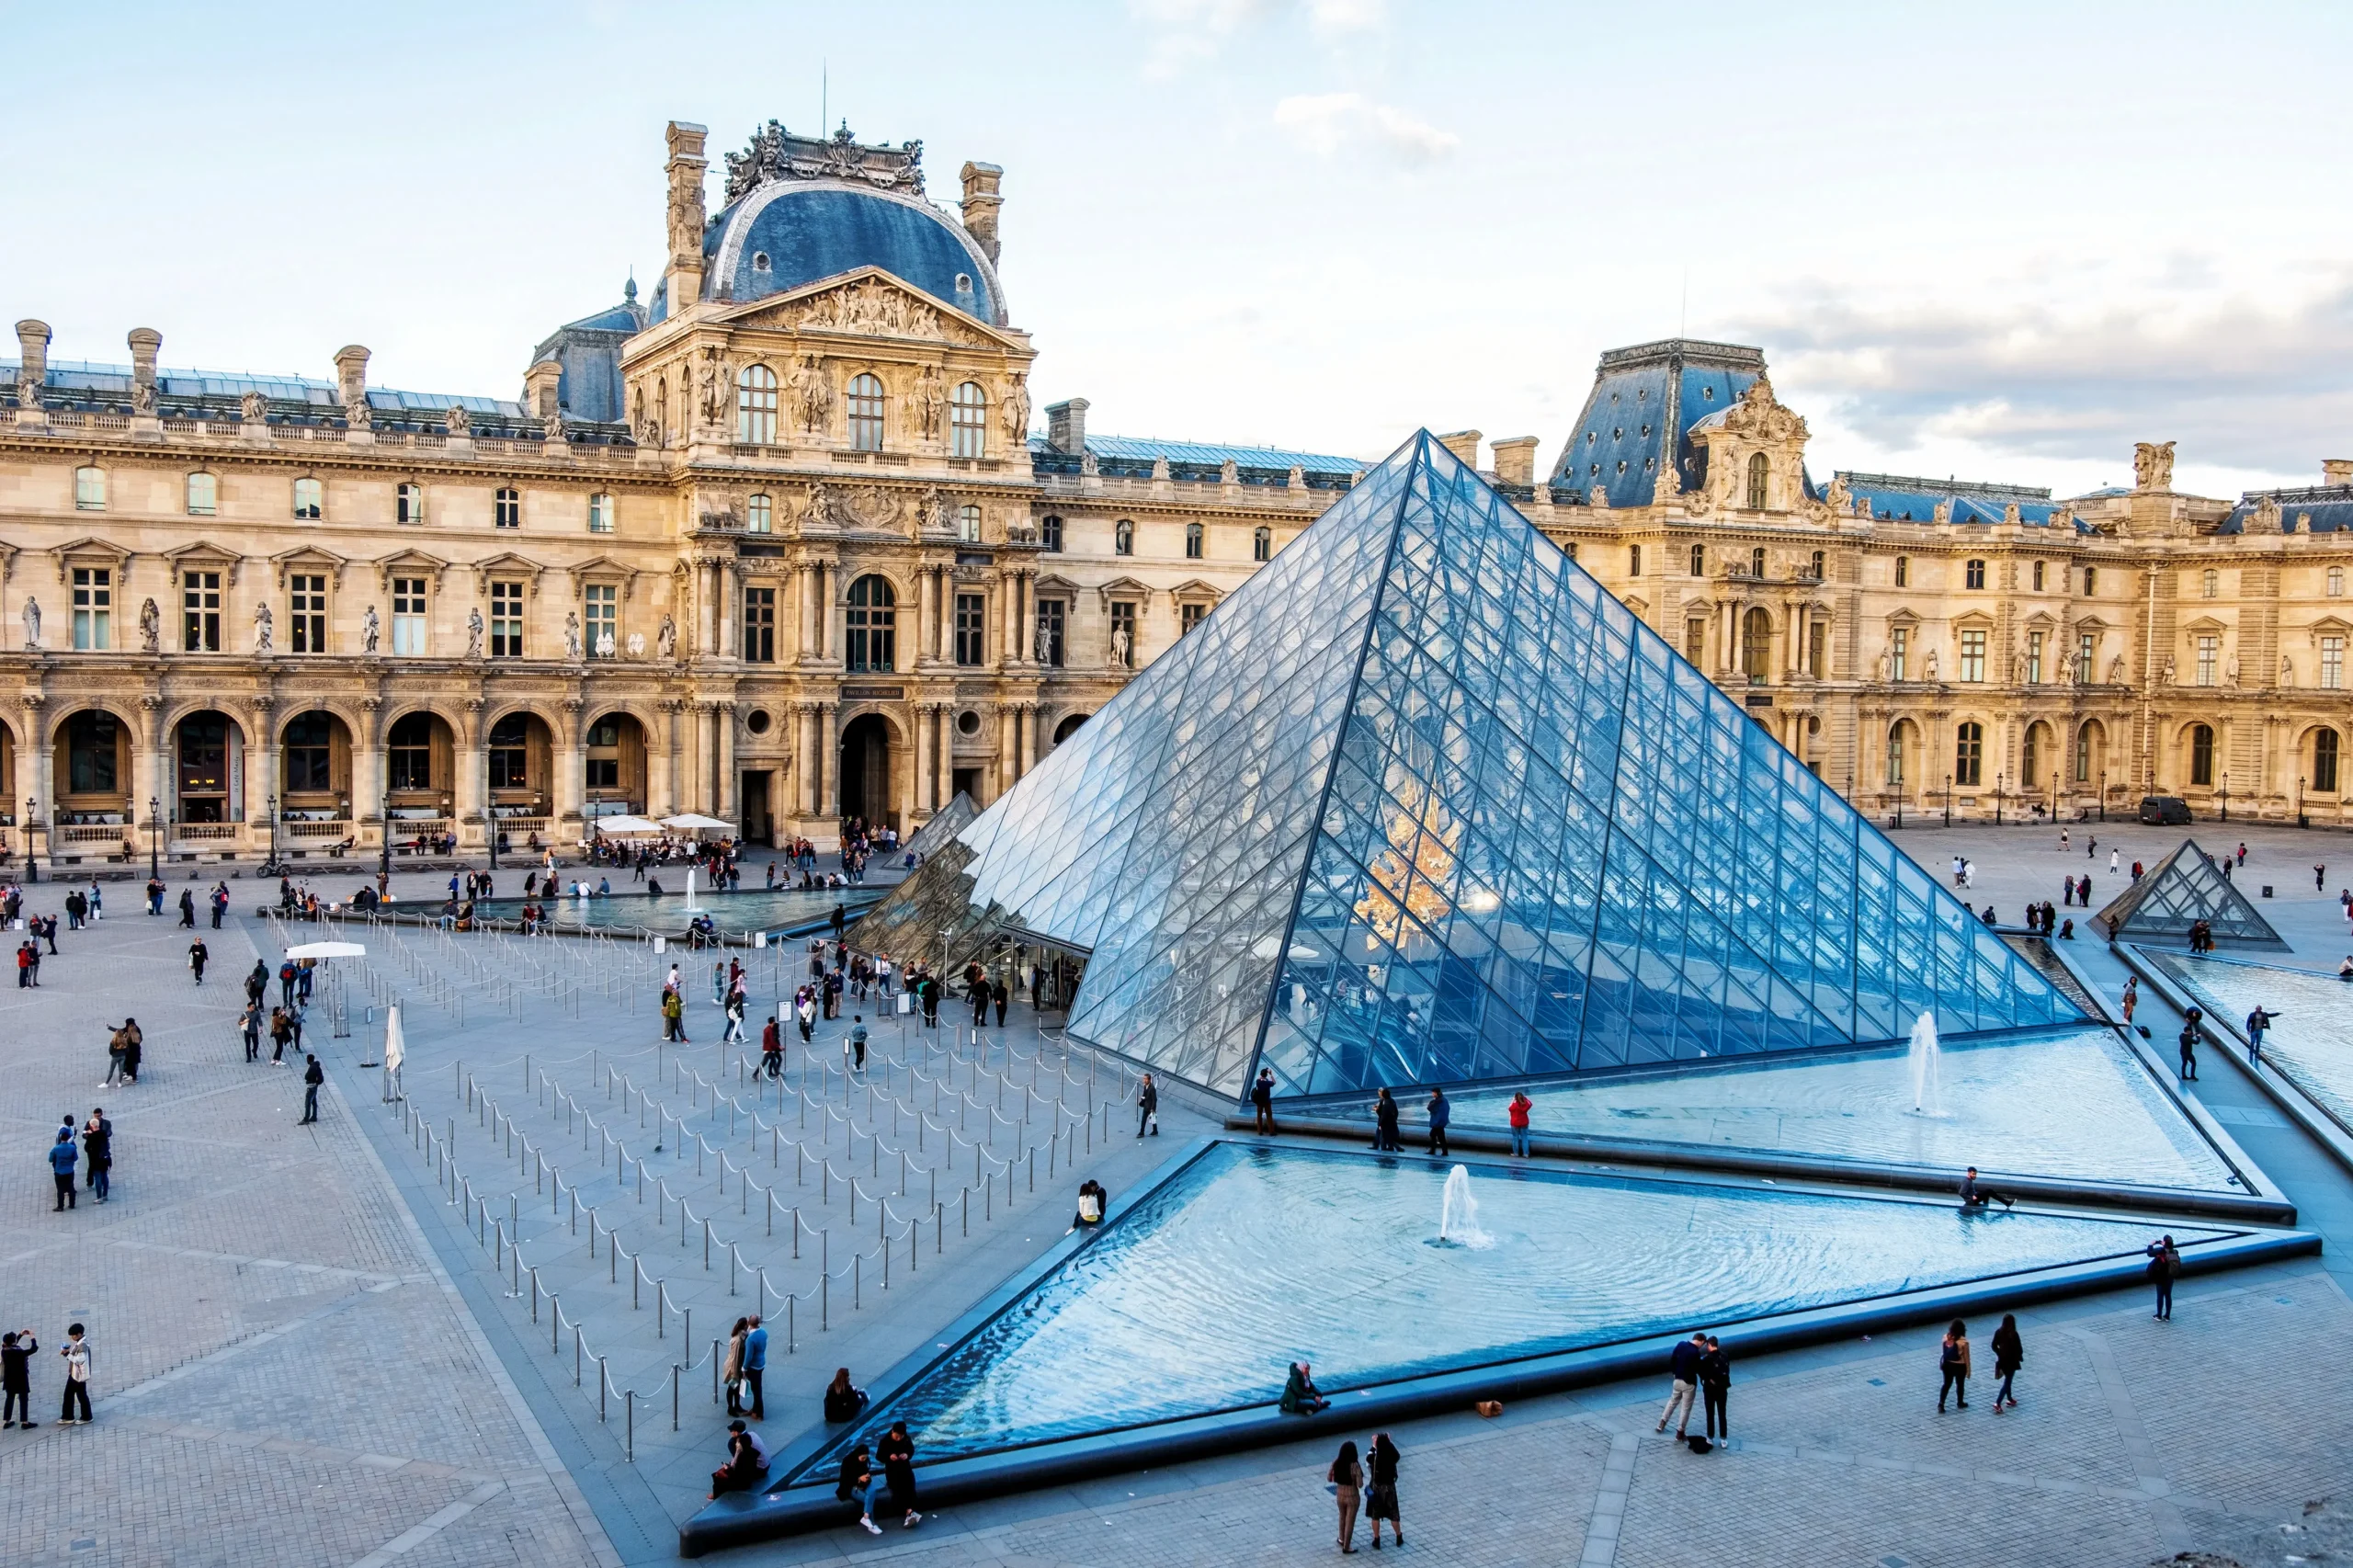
<point>17,1349</point>
<point>94,1155</point>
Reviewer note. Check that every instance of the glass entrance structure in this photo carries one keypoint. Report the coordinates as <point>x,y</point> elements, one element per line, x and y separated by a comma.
<point>1422,803</point>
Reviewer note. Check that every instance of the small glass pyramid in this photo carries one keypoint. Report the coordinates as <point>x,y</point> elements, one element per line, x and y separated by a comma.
<point>1422,803</point>
<point>2175,893</point>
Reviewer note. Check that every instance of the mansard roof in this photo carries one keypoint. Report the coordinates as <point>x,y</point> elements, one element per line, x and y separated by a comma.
<point>1644,398</point>
<point>2318,509</point>
<point>1132,457</point>
<point>1901,498</point>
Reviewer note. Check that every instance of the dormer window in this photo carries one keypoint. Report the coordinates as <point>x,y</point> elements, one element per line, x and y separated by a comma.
<point>759,261</point>
<point>1757,471</point>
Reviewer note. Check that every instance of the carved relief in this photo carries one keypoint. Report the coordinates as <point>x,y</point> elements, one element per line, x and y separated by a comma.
<point>774,155</point>
<point>870,309</point>
<point>1014,412</point>
<point>872,506</point>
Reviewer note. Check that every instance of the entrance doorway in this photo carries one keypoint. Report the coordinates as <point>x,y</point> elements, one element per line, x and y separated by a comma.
<point>866,768</point>
<point>964,782</point>
<point>759,824</point>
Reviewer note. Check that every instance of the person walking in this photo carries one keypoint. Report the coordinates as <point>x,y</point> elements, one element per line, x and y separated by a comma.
<point>1715,1387</point>
<point>2320,879</point>
<point>1384,1124</point>
<point>1147,1106</point>
<point>1441,1112</point>
<point>2131,998</point>
<point>2164,1266</point>
<point>734,1031</point>
<point>2009,1355</point>
<point>771,1049</point>
<point>187,910</point>
<point>2190,1043</point>
<point>97,1151</point>
<point>980,991</point>
<point>17,1349</point>
<point>2256,1022</point>
<point>674,1016</point>
<point>1347,1479</point>
<point>76,1351</point>
<point>1683,1365</point>
<point>1520,1106</point>
<point>755,1367</point>
<point>313,1077</point>
<point>281,1033</point>
<point>249,1024</point>
<point>855,1045</point>
<point>198,957</point>
<point>804,1014</point>
<point>1952,1362</point>
<point>2111,861</point>
<point>1262,1095</point>
<point>62,1158</point>
<point>1381,1503</point>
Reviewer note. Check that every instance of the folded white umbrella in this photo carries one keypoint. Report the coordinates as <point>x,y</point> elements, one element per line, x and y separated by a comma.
<point>328,950</point>
<point>691,821</point>
<point>622,825</point>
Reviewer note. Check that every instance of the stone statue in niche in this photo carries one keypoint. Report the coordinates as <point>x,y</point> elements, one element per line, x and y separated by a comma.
<point>2116,670</point>
<point>605,643</point>
<point>1931,671</point>
<point>370,629</point>
<point>264,630</point>
<point>711,406</point>
<point>1886,663</point>
<point>1120,646</point>
<point>1016,413</point>
<point>2066,669</point>
<point>931,403</point>
<point>2287,671</point>
<point>2017,667</point>
<point>30,615</point>
<point>1041,643</point>
<point>151,628</point>
<point>665,638</point>
<point>142,397</point>
<point>2231,671</point>
<point>474,632</point>
<point>813,394</point>
<point>2164,677</point>
<point>572,635</point>
<point>637,644</point>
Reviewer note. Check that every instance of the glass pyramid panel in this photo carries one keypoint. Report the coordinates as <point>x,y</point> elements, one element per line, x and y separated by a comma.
<point>944,823</point>
<point>1195,1301</point>
<point>2310,1042</point>
<point>1420,801</point>
<point>2175,893</point>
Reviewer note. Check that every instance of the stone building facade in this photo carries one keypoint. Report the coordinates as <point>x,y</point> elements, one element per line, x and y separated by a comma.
<point>781,545</point>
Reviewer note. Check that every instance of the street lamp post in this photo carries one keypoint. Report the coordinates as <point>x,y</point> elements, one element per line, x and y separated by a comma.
<point>1948,799</point>
<point>273,830</point>
<point>32,865</point>
<point>2226,796</point>
<point>2300,819</point>
<point>2054,794</point>
<point>384,824</point>
<point>155,836</point>
<point>1997,799</point>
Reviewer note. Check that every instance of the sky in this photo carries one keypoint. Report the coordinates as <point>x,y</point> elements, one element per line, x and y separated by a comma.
<point>2002,242</point>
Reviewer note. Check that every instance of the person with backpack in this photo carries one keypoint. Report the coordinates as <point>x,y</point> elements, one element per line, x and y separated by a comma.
<point>97,1151</point>
<point>313,1077</point>
<point>1952,1362</point>
<point>1441,1112</point>
<point>286,972</point>
<point>1262,1095</point>
<point>2009,1355</point>
<point>854,1047</point>
<point>2164,1266</point>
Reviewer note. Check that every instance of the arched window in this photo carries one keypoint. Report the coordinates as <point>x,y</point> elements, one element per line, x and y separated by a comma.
<point>2086,739</point>
<point>2324,761</point>
<point>873,625</point>
<point>967,524</point>
<point>969,421</point>
<point>866,413</point>
<point>310,500</point>
<point>1756,475</point>
<point>2209,583</point>
<point>1049,535</point>
<point>408,752</point>
<point>2031,756</point>
<point>756,406</point>
<point>1194,534</point>
<point>759,514</point>
<point>1969,754</point>
<point>1699,560</point>
<point>1262,544</point>
<point>89,490</point>
<point>1123,537</point>
<point>1899,742</point>
<point>1973,575</point>
<point>203,495</point>
<point>2201,755</point>
<point>1756,644</point>
<point>510,753</point>
<point>1903,570</point>
<point>1756,561</point>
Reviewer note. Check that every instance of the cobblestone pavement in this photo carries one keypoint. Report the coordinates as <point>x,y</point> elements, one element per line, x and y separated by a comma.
<point>305,1355</point>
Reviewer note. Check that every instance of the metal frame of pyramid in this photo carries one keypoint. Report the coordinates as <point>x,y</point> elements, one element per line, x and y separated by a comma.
<point>1422,803</point>
<point>2175,893</point>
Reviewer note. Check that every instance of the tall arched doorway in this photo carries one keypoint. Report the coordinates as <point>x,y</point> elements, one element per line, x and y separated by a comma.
<point>866,768</point>
<point>1756,645</point>
<point>520,757</point>
<point>1069,727</point>
<point>420,768</point>
<point>615,763</point>
<point>208,772</point>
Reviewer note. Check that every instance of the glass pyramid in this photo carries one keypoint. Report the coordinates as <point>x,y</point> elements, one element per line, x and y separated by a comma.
<point>945,824</point>
<point>1420,801</point>
<point>2175,893</point>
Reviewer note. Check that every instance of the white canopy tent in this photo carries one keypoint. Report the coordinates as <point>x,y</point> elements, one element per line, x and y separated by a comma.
<point>624,827</point>
<point>691,821</point>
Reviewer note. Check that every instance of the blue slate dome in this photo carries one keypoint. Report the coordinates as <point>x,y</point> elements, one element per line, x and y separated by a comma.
<point>782,236</point>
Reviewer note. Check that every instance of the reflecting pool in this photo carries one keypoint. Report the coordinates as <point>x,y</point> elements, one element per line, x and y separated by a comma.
<point>2311,1043</point>
<point>1253,1257</point>
<point>754,909</point>
<point>2076,1104</point>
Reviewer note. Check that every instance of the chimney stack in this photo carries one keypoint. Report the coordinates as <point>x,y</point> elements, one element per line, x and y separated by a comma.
<point>33,359</point>
<point>1066,425</point>
<point>2337,471</point>
<point>980,204</point>
<point>1516,461</point>
<point>1463,444</point>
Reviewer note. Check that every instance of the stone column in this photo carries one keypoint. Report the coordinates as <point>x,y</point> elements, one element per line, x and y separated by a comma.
<point>928,629</point>
<point>828,761</point>
<point>1015,648</point>
<point>944,780</point>
<point>662,771</point>
<point>926,736</point>
<point>39,756</point>
<point>722,722</point>
<point>1029,738</point>
<point>947,632</point>
<point>147,771</point>
<point>263,775</point>
<point>470,798</point>
<point>728,585</point>
<point>1009,742</point>
<point>804,752</point>
<point>368,767</point>
<point>571,764</point>
<point>804,612</point>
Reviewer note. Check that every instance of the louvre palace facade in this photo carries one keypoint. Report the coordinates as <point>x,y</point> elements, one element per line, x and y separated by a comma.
<point>784,543</point>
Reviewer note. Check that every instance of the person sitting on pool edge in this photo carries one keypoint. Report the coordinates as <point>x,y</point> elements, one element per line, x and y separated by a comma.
<point>1092,1203</point>
<point>1299,1395</point>
<point>844,1399</point>
<point>1975,1197</point>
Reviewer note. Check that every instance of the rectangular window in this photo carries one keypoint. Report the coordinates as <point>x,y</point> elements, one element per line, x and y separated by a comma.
<point>409,757</point>
<point>2034,656</point>
<point>408,503</point>
<point>759,626</point>
<point>1817,648</point>
<point>1969,756</point>
<point>971,628</point>
<point>1899,648</point>
<point>2332,664</point>
<point>201,612</point>
<point>310,500</point>
<point>92,609</point>
<point>759,514</point>
<point>603,630</point>
<point>1974,574</point>
<point>2091,581</point>
<point>2038,576</point>
<point>507,509</point>
<point>1123,634</point>
<point>967,524</point>
<point>1188,617</point>
<point>1634,560</point>
<point>601,514</point>
<point>92,750</point>
<point>1903,570</point>
<point>306,612</point>
<point>1051,614</point>
<point>204,496</point>
<point>408,616</point>
<point>506,621</point>
<point>1695,640</point>
<point>2209,658</point>
<point>2087,649</point>
<point>1973,655</point>
<point>89,490</point>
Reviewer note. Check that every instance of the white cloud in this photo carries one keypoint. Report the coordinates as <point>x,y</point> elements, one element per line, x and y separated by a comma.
<point>1325,123</point>
<point>1337,18</point>
<point>1187,31</point>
